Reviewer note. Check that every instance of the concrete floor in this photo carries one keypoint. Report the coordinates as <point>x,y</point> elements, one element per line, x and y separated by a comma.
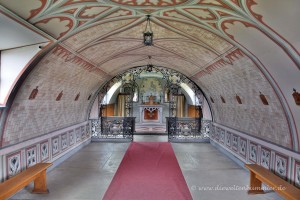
<point>88,173</point>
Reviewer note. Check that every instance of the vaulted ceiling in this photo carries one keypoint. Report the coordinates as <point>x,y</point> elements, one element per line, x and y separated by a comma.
<point>193,32</point>
<point>248,46</point>
<point>109,32</point>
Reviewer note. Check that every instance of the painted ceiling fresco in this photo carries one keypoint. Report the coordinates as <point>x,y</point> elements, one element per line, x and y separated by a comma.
<point>184,28</point>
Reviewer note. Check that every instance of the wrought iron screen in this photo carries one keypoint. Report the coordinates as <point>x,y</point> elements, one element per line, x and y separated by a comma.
<point>187,128</point>
<point>113,128</point>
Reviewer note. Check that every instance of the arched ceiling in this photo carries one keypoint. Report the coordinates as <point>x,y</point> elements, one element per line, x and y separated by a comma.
<point>195,31</point>
<point>105,30</point>
<point>247,40</point>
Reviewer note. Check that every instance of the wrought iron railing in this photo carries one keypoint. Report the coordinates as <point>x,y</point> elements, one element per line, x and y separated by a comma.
<point>187,129</point>
<point>113,128</point>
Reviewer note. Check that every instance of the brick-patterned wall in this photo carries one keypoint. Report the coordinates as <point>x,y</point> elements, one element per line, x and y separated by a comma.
<point>241,77</point>
<point>59,71</point>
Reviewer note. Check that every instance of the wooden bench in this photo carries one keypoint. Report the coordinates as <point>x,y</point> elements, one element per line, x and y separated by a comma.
<point>259,175</point>
<point>36,173</point>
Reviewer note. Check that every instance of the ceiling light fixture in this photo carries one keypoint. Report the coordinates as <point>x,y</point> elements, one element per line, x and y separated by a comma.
<point>149,66</point>
<point>148,34</point>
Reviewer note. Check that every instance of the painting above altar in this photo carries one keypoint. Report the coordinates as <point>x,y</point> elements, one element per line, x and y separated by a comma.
<point>151,91</point>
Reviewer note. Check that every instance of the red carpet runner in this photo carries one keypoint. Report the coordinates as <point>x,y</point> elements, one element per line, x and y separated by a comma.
<point>148,171</point>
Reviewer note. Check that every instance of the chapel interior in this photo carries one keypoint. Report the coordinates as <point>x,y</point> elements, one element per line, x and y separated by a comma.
<point>214,82</point>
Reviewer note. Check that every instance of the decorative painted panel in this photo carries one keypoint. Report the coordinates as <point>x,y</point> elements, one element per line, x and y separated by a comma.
<point>228,139</point>
<point>83,132</point>
<point>55,146</point>
<point>87,128</point>
<point>217,134</point>
<point>64,141</point>
<point>72,137</point>
<point>281,166</point>
<point>297,174</point>
<point>26,154</point>
<point>243,147</point>
<point>31,156</point>
<point>253,152</point>
<point>265,158</point>
<point>78,134</point>
<point>213,132</point>
<point>222,136</point>
<point>44,151</point>
<point>234,142</point>
<point>13,164</point>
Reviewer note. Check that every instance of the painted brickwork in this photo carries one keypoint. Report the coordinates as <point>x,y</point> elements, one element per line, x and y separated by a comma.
<point>248,149</point>
<point>241,77</point>
<point>86,36</point>
<point>58,71</point>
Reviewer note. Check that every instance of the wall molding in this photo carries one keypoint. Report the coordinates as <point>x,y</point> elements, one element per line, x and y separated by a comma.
<point>248,149</point>
<point>34,140</point>
<point>50,147</point>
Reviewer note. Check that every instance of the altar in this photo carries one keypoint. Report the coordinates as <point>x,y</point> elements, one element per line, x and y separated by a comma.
<point>151,113</point>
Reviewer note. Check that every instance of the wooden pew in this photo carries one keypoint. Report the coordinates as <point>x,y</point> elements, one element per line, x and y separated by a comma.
<point>36,173</point>
<point>259,175</point>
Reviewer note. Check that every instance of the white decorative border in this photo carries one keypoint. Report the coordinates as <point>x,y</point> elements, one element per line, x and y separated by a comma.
<point>281,161</point>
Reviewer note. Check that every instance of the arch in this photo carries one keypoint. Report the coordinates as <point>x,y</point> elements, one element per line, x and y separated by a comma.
<point>110,87</point>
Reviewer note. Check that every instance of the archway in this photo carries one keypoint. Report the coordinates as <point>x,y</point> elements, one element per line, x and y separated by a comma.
<point>151,98</point>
